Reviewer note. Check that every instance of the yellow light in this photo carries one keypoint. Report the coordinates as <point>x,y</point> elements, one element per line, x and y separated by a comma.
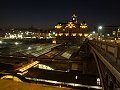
<point>0,42</point>
<point>66,34</point>
<point>56,34</point>
<point>60,34</point>
<point>54,41</point>
<point>58,26</point>
<point>22,69</point>
<point>86,35</point>
<point>83,26</point>
<point>73,34</point>
<point>70,25</point>
<point>80,34</point>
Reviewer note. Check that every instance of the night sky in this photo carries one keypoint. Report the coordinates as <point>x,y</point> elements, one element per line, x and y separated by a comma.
<point>46,13</point>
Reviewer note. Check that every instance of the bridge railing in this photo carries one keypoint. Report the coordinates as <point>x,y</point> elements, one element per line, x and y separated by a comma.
<point>110,51</point>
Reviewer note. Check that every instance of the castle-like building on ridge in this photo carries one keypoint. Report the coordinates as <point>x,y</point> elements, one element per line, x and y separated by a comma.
<point>71,32</point>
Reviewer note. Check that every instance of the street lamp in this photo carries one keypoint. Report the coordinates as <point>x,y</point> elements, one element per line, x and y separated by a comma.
<point>99,28</point>
<point>94,35</point>
<point>93,32</point>
<point>16,43</point>
<point>0,42</point>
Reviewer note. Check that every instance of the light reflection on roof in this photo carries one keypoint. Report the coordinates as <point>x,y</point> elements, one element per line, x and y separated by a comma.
<point>22,50</point>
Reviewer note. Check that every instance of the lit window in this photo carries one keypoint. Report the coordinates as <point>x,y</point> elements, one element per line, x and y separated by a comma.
<point>56,34</point>
<point>70,25</point>
<point>74,34</point>
<point>83,25</point>
<point>85,35</point>
<point>54,41</point>
<point>66,34</point>
<point>60,34</point>
<point>58,26</point>
<point>80,34</point>
<point>98,81</point>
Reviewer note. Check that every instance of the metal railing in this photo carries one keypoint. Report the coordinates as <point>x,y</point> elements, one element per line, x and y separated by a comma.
<point>109,54</point>
<point>110,51</point>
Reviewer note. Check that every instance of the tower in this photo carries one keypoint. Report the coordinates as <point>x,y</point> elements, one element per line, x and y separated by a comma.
<point>74,18</point>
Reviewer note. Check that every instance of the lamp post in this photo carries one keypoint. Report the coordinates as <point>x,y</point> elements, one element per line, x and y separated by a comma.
<point>99,28</point>
<point>93,34</point>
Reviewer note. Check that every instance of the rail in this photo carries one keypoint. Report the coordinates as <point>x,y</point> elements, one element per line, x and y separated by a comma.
<point>109,54</point>
<point>110,51</point>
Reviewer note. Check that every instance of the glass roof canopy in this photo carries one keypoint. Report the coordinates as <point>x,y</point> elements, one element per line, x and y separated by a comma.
<point>25,50</point>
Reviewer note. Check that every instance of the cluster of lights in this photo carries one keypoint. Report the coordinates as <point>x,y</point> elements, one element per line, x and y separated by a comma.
<point>70,25</point>
<point>58,26</point>
<point>83,25</point>
<point>16,43</point>
<point>51,34</point>
<point>19,34</point>
<point>24,68</point>
<point>73,34</point>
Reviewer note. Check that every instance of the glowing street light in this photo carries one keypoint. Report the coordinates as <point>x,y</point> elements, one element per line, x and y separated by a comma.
<point>53,32</point>
<point>99,28</point>
<point>93,32</point>
<point>108,34</point>
<point>0,42</point>
<point>29,48</point>
<point>16,43</point>
<point>76,77</point>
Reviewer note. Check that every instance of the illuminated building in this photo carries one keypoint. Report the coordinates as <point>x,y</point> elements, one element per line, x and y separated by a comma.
<point>70,25</point>
<point>83,25</point>
<point>74,18</point>
<point>58,26</point>
<point>71,32</point>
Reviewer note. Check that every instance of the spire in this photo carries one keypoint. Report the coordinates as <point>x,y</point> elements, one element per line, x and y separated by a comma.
<point>74,18</point>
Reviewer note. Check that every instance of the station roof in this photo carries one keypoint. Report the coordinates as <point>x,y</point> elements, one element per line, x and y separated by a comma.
<point>25,50</point>
<point>67,54</point>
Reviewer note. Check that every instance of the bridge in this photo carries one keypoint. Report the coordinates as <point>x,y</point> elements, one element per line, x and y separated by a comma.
<point>107,58</point>
<point>103,57</point>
